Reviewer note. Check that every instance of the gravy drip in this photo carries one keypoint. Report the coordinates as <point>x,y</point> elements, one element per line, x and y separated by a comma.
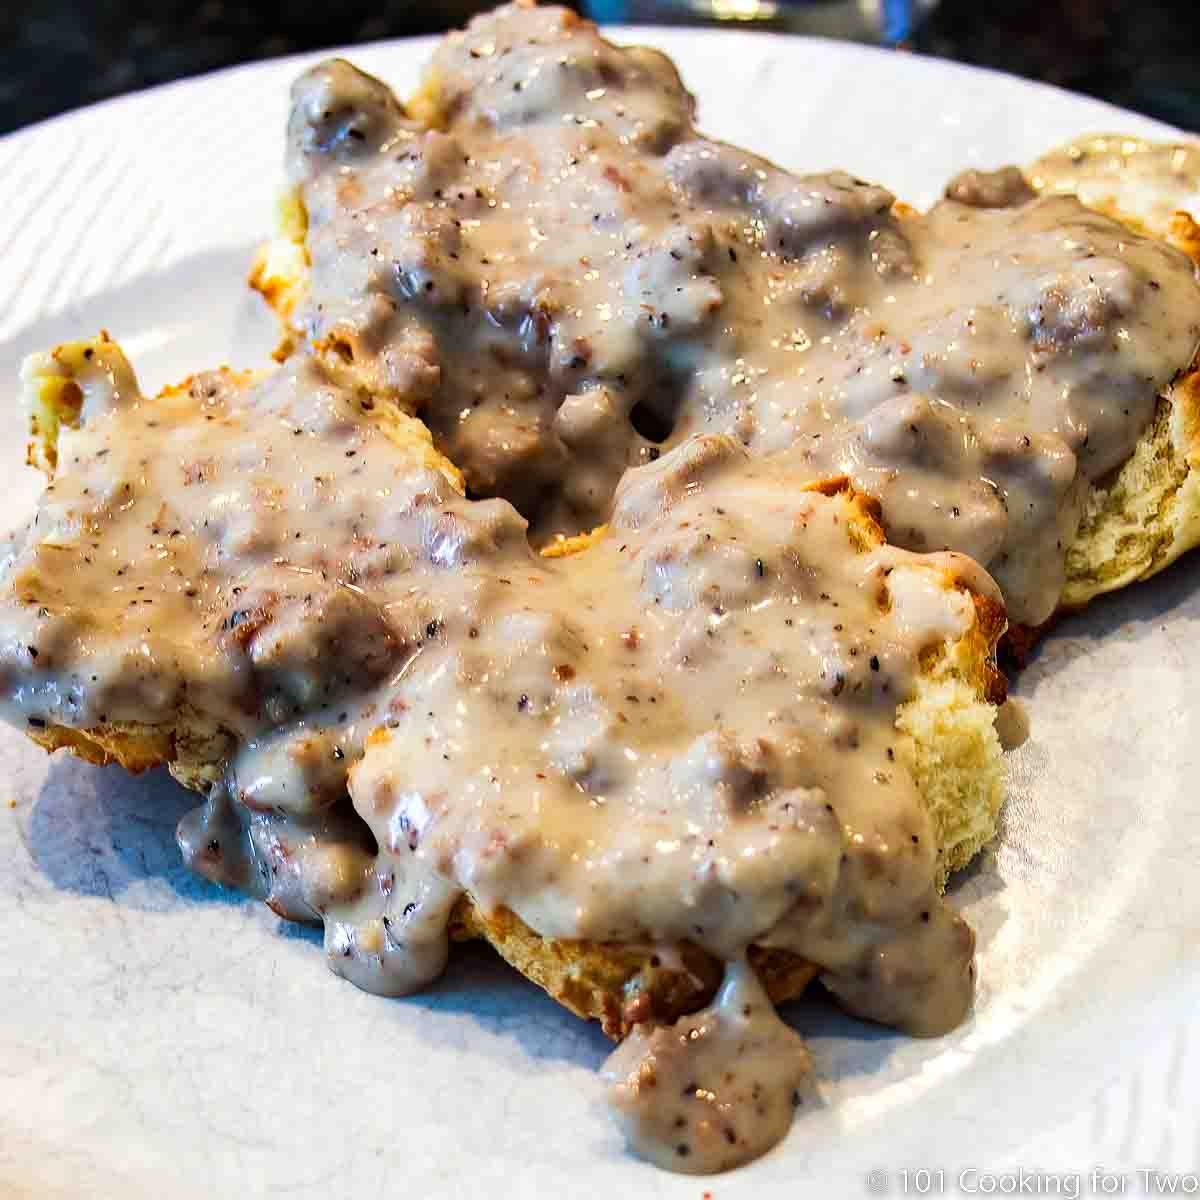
<point>685,733</point>
<point>565,279</point>
<point>715,1089</point>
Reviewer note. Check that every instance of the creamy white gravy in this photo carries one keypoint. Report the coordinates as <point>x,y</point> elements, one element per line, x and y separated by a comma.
<point>686,733</point>
<point>565,279</point>
<point>715,1089</point>
<point>1012,724</point>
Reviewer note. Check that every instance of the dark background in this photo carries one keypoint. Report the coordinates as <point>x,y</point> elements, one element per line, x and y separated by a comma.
<point>58,54</point>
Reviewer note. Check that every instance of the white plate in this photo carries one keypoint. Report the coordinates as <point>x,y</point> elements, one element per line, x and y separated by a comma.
<point>157,1033</point>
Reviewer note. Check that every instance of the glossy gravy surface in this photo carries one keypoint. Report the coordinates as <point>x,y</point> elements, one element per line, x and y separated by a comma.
<point>688,731</point>
<point>565,279</point>
<point>684,733</point>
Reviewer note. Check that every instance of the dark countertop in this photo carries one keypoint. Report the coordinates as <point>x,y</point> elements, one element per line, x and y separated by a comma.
<point>59,54</point>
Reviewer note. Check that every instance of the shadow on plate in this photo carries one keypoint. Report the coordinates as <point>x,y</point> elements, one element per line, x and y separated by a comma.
<point>1130,614</point>
<point>480,986</point>
<point>843,1047</point>
<point>98,831</point>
